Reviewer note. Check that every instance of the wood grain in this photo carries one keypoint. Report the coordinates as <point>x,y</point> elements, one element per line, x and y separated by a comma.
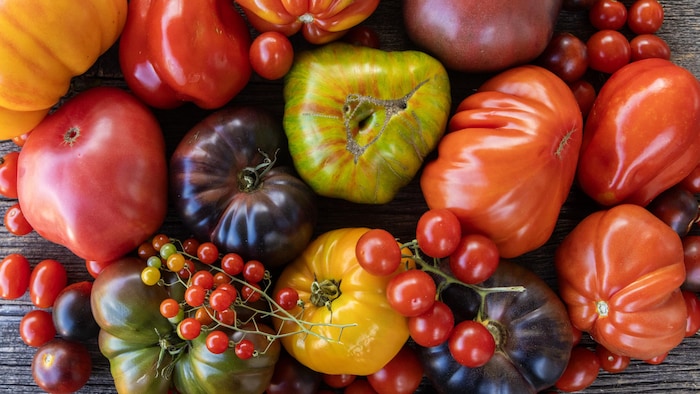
<point>680,372</point>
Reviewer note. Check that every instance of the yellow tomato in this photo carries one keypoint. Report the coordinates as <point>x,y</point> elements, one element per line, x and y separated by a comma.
<point>43,45</point>
<point>355,331</point>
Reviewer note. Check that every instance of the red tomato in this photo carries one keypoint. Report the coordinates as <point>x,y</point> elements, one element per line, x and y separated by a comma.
<point>15,222</point>
<point>608,51</point>
<point>271,55</point>
<point>15,272</point>
<point>93,176</point>
<point>338,381</point>
<point>581,372</point>
<point>433,327</point>
<point>646,46</point>
<point>411,292</point>
<point>692,304</point>
<point>585,95</point>
<point>36,327</point>
<point>471,344</point>
<point>511,147</point>
<point>364,36</point>
<point>691,258</point>
<point>566,55</point>
<point>61,366</point>
<point>401,375</point>
<point>645,16</point>
<point>618,271</point>
<point>47,280</point>
<point>319,22</point>
<point>8,175</point>
<point>95,267</point>
<point>175,51</point>
<point>610,361</point>
<point>475,259</point>
<point>608,14</point>
<point>633,149</point>
<point>438,232</point>
<point>378,252</point>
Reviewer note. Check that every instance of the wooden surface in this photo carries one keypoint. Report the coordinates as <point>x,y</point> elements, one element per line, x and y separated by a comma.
<point>680,372</point>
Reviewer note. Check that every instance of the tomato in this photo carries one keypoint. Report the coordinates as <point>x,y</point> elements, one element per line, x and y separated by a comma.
<point>438,232</point>
<point>360,121</point>
<point>15,273</point>
<point>401,375</point>
<point>510,147</point>
<point>691,259</point>
<point>177,51</point>
<point>359,386</point>
<point>610,361</point>
<point>677,207</point>
<point>8,174</point>
<point>102,151</point>
<point>338,381</point>
<point>646,46</point>
<point>337,291</point>
<point>645,16</point>
<point>608,51</point>
<point>585,94</point>
<point>692,303</point>
<point>136,340</point>
<point>619,270</point>
<point>271,55</point>
<point>72,314</point>
<point>608,15</point>
<point>471,344</point>
<point>232,183</point>
<point>378,252</point>
<point>566,56</point>
<point>319,22</point>
<point>531,329</point>
<point>36,327</point>
<point>475,259</point>
<point>15,222</point>
<point>411,293</point>
<point>615,168</point>
<point>61,366</point>
<point>291,377</point>
<point>57,40</point>
<point>433,326</point>
<point>364,36</point>
<point>47,280</point>
<point>581,372</point>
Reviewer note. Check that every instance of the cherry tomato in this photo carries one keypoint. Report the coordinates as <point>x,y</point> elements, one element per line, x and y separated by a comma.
<point>48,278</point>
<point>566,56</point>
<point>8,175</point>
<point>611,362</point>
<point>189,328</point>
<point>15,273</point>
<point>475,259</point>
<point>203,278</point>
<point>677,207</point>
<point>207,252</point>
<point>150,275</point>
<point>433,327</point>
<point>646,46</point>
<point>244,349</point>
<point>657,359</point>
<point>169,308</point>
<point>253,271</point>
<point>581,372</point>
<point>61,366</point>
<point>471,343</point>
<point>585,95</point>
<point>691,258</point>
<point>159,240</point>
<point>608,51</point>
<point>232,264</point>
<point>692,303</point>
<point>15,222</point>
<point>94,267</point>
<point>401,375</point>
<point>72,313</point>
<point>220,299</point>
<point>645,16</point>
<point>378,252</point>
<point>287,298</point>
<point>608,14</point>
<point>362,35</point>
<point>251,292</point>
<point>36,327</point>
<point>271,55</point>
<point>203,314</point>
<point>227,316</point>
<point>217,341</point>
<point>338,381</point>
<point>438,232</point>
<point>411,292</point>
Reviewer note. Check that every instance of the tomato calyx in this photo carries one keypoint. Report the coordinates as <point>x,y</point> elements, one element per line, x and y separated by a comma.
<point>499,333</point>
<point>323,293</point>
<point>71,135</point>
<point>172,346</point>
<point>602,308</point>
<point>563,143</point>
<point>250,178</point>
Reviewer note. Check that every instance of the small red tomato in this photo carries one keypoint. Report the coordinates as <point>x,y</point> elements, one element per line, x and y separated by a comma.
<point>438,232</point>
<point>411,292</point>
<point>47,280</point>
<point>271,55</point>
<point>362,35</point>
<point>611,362</point>
<point>15,273</point>
<point>8,175</point>
<point>378,252</point>
<point>608,51</point>
<point>401,375</point>
<point>432,327</point>
<point>581,372</point>
<point>15,222</point>
<point>608,14</point>
<point>471,344</point>
<point>692,303</point>
<point>36,327</point>
<point>645,46</point>
<point>475,259</point>
<point>645,16</point>
<point>585,95</point>
<point>94,267</point>
<point>565,55</point>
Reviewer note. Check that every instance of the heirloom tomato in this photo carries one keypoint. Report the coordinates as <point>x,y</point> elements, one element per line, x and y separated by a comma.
<point>93,175</point>
<point>173,51</point>
<point>508,161</point>
<point>531,329</point>
<point>145,353</point>
<point>319,21</point>
<point>44,45</point>
<point>642,135</point>
<point>360,121</point>
<point>232,183</point>
<point>353,328</point>
<point>620,272</point>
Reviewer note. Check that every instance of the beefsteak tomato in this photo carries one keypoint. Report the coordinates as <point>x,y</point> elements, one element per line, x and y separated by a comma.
<point>320,22</point>
<point>508,161</point>
<point>360,121</point>
<point>147,356</point>
<point>173,51</point>
<point>531,329</point>
<point>354,329</point>
<point>232,183</point>
<point>93,175</point>
<point>642,135</point>
<point>620,272</point>
<point>55,40</point>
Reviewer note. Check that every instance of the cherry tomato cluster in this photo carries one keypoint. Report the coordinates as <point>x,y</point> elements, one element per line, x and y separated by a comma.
<point>472,259</point>
<point>622,35</point>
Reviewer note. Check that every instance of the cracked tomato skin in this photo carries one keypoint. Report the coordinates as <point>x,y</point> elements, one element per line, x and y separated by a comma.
<point>508,160</point>
<point>320,22</point>
<point>620,272</point>
<point>642,135</point>
<point>360,121</point>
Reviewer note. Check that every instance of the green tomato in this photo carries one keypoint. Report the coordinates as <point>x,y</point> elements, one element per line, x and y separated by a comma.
<point>360,121</point>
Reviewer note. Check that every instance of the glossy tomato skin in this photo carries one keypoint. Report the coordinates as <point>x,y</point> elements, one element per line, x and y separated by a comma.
<point>377,333</point>
<point>271,218</point>
<point>30,48</point>
<point>511,147</point>
<point>190,52</point>
<point>535,337</point>
<point>61,366</point>
<point>93,175</point>
<point>72,313</point>
<point>618,271</point>
<point>615,167</point>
